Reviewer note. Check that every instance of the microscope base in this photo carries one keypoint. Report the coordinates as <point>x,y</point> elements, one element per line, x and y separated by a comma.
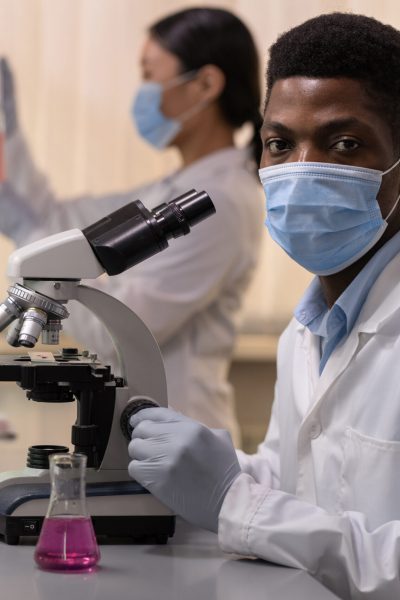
<point>137,529</point>
<point>120,509</point>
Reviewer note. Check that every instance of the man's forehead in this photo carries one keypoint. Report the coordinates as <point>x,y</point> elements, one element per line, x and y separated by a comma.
<point>323,99</point>
<point>323,90</point>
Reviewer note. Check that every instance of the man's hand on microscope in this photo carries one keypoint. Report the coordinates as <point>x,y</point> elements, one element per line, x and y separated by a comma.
<point>183,463</point>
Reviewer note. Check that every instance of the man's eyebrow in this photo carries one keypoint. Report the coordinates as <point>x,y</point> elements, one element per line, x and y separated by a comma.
<point>275,126</point>
<point>343,123</point>
<point>328,127</point>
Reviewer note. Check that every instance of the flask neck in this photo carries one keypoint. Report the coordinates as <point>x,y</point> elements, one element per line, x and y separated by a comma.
<point>68,493</point>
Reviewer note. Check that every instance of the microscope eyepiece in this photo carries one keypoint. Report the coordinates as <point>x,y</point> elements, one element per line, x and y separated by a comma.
<point>133,233</point>
<point>178,216</point>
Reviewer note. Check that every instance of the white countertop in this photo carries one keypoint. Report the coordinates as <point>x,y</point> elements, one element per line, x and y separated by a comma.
<point>189,567</point>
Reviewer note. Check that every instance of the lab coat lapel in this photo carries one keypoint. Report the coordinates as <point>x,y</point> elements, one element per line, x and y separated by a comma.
<point>382,301</point>
<point>337,363</point>
<point>319,384</point>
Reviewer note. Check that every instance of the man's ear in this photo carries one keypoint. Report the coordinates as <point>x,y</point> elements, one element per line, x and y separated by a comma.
<point>211,81</point>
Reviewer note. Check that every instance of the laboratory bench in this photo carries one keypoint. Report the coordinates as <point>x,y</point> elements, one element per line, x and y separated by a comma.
<point>189,567</point>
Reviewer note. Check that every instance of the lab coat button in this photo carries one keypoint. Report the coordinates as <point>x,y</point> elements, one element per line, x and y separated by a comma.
<point>315,429</point>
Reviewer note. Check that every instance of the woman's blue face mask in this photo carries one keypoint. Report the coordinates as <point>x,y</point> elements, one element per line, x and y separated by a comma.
<point>325,216</point>
<point>151,123</point>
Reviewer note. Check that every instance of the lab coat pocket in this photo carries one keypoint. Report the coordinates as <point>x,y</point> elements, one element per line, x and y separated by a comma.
<point>370,481</point>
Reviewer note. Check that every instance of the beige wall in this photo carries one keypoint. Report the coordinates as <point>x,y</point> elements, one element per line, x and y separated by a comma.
<point>76,66</point>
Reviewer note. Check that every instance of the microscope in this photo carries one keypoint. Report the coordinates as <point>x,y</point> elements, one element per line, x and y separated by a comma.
<point>47,275</point>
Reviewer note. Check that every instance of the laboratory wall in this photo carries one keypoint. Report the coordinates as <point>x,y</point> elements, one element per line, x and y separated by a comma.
<point>76,65</point>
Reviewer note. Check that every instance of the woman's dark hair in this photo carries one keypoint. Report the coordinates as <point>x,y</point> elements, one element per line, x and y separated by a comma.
<point>212,36</point>
<point>343,45</point>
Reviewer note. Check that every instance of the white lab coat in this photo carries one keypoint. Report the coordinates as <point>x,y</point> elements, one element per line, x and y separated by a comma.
<point>189,295</point>
<point>323,491</point>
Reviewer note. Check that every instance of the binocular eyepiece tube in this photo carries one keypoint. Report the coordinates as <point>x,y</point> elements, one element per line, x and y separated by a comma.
<point>133,233</point>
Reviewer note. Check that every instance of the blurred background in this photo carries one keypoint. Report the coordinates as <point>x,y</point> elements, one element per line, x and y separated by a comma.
<point>76,68</point>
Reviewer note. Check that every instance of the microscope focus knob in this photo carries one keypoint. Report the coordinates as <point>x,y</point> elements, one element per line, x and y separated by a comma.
<point>133,406</point>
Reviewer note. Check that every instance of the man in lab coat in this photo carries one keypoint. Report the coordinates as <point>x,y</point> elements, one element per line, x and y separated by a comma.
<point>322,493</point>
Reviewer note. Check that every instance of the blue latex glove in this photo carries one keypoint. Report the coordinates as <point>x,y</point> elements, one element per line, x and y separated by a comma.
<point>184,464</point>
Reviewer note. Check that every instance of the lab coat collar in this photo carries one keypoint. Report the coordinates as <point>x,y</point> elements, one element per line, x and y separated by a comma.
<point>383,299</point>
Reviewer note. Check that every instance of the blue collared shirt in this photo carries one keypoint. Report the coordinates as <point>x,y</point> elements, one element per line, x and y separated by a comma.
<point>334,325</point>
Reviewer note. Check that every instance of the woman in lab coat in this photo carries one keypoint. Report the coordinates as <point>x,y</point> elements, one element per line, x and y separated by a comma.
<point>322,493</point>
<point>200,84</point>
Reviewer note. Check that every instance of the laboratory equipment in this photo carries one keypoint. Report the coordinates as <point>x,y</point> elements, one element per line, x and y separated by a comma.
<point>51,270</point>
<point>67,540</point>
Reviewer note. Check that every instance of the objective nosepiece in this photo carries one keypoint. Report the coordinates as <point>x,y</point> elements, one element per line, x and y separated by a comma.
<point>34,314</point>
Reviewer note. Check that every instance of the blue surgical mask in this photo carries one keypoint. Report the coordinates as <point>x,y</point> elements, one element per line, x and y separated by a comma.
<point>325,216</point>
<point>151,123</point>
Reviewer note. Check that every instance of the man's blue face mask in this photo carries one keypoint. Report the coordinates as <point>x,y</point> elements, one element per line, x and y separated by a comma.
<point>325,216</point>
<point>151,123</point>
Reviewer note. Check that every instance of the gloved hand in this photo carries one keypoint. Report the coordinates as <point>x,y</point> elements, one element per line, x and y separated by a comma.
<point>184,464</point>
<point>7,99</point>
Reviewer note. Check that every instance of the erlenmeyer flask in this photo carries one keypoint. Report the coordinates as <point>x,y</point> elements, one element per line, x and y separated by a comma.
<point>67,541</point>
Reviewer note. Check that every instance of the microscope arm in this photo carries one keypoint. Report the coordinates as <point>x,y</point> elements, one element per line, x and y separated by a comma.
<point>139,355</point>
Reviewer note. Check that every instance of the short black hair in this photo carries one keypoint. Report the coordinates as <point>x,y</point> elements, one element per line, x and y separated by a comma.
<point>343,45</point>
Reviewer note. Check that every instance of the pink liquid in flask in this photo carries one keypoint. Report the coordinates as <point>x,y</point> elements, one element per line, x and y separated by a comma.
<point>68,544</point>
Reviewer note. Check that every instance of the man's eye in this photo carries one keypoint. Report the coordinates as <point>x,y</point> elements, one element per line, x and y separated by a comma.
<point>346,145</point>
<point>276,146</point>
